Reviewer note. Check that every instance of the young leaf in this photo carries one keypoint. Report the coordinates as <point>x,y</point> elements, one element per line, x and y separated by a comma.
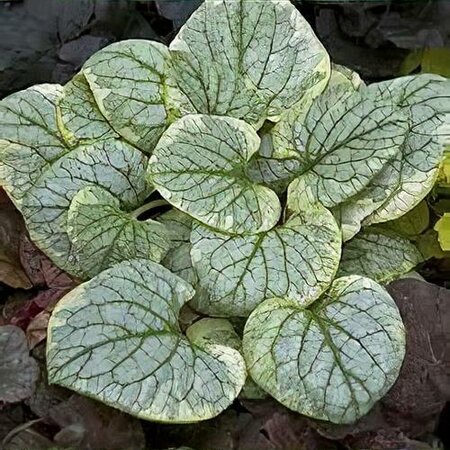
<point>246,59</point>
<point>128,81</point>
<point>426,99</point>
<point>379,254</point>
<point>333,360</point>
<point>342,145</point>
<point>199,166</point>
<point>103,235</point>
<point>116,339</point>
<point>297,260</point>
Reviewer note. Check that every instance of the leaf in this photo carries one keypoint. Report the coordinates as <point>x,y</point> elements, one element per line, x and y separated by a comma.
<point>442,227</point>
<point>199,166</point>
<point>116,339</point>
<point>413,223</point>
<point>79,116</point>
<point>380,255</point>
<point>213,331</point>
<point>39,269</point>
<point>333,360</point>
<point>248,60</point>
<point>41,172</point>
<point>276,164</point>
<point>411,175</point>
<point>178,258</point>
<point>297,260</point>
<point>18,371</point>
<point>128,81</point>
<point>103,235</point>
<point>342,145</point>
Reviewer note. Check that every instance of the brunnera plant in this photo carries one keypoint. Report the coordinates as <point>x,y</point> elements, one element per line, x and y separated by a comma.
<point>281,171</point>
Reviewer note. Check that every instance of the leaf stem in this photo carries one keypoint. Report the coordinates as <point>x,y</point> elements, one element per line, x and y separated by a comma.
<point>149,206</point>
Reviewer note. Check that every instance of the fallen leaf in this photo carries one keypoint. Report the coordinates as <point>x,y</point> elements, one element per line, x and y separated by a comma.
<point>11,228</point>
<point>40,270</point>
<point>28,439</point>
<point>275,427</point>
<point>37,329</point>
<point>88,425</point>
<point>18,371</point>
<point>31,308</point>
<point>423,387</point>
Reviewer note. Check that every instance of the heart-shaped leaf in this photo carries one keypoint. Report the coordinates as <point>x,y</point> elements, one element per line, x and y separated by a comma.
<point>332,360</point>
<point>297,260</point>
<point>199,166</point>
<point>379,254</point>
<point>246,59</point>
<point>116,339</point>
<point>103,235</point>
<point>128,81</point>
<point>409,176</point>
<point>426,101</point>
<point>342,145</point>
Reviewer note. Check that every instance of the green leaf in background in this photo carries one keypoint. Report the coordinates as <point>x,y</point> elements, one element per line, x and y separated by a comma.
<point>431,60</point>
<point>128,80</point>
<point>42,172</point>
<point>297,260</point>
<point>342,145</point>
<point>412,224</point>
<point>333,360</point>
<point>199,166</point>
<point>116,339</point>
<point>442,227</point>
<point>103,235</point>
<point>246,59</point>
<point>381,255</point>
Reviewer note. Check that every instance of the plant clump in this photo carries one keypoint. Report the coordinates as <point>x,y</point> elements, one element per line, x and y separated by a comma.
<point>284,174</point>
